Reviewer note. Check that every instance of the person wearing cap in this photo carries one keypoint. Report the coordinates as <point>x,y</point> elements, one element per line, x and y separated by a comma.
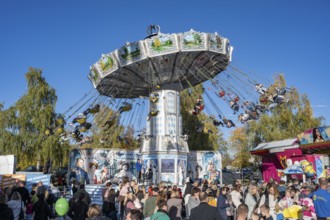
<point>150,205</point>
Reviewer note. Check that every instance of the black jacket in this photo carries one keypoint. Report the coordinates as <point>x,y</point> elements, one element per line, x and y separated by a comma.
<point>205,212</point>
<point>78,211</point>
<point>25,195</point>
<point>41,210</point>
<point>6,213</point>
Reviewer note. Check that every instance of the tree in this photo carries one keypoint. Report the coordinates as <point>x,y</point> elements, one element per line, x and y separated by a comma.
<point>284,121</point>
<point>23,125</point>
<point>211,138</point>
<point>107,132</point>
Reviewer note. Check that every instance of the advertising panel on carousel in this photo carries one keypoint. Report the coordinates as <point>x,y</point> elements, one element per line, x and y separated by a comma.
<point>102,165</point>
<point>315,135</point>
<point>205,165</point>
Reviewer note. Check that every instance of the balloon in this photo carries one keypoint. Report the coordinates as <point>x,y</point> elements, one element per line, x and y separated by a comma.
<point>61,206</point>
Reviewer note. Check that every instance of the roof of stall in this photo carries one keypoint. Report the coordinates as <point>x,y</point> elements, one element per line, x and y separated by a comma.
<point>275,146</point>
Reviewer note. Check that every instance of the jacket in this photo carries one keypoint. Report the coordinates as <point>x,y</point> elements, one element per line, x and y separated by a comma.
<point>78,211</point>
<point>205,212</point>
<point>149,207</point>
<point>41,210</point>
<point>222,205</point>
<point>16,206</point>
<point>174,207</point>
<point>6,213</point>
<point>160,215</point>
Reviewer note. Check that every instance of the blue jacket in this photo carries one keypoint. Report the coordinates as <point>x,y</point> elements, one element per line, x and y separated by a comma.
<point>80,175</point>
<point>222,204</point>
<point>321,199</point>
<point>138,166</point>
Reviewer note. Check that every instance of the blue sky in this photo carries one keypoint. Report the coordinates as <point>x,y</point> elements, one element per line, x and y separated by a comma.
<point>64,38</point>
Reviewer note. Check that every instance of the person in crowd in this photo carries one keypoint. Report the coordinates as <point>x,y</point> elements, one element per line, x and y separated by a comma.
<point>106,191</point>
<point>29,210</point>
<point>187,188</point>
<point>87,197</point>
<point>174,205</point>
<point>78,211</point>
<point>41,189</point>
<point>140,195</point>
<point>16,204</point>
<point>223,203</point>
<point>161,213</point>
<point>251,198</point>
<point>204,210</point>
<point>109,204</point>
<point>265,213</point>
<point>138,167</point>
<point>25,195</point>
<point>193,200</point>
<point>95,213</point>
<point>321,199</point>
<point>122,194</point>
<point>129,203</point>
<point>242,212</point>
<point>74,186</point>
<point>286,201</point>
<point>281,188</point>
<point>6,213</point>
<point>134,214</point>
<point>133,187</point>
<point>270,198</point>
<point>150,204</point>
<point>236,195</point>
<point>41,208</point>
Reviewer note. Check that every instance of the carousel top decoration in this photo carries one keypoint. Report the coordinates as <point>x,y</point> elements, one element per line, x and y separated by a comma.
<point>137,68</point>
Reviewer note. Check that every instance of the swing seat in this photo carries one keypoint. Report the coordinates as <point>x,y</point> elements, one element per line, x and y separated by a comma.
<point>60,121</point>
<point>48,131</point>
<point>126,108</point>
<point>236,99</point>
<point>154,99</point>
<point>85,127</point>
<point>201,107</point>
<point>154,113</point>
<point>60,130</point>
<point>81,120</point>
<point>95,109</point>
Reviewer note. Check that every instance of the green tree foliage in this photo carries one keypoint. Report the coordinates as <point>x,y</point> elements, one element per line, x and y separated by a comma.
<point>106,136</point>
<point>282,122</point>
<point>211,138</point>
<point>22,126</point>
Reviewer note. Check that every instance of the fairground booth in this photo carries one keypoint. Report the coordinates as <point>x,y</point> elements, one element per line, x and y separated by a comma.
<point>304,157</point>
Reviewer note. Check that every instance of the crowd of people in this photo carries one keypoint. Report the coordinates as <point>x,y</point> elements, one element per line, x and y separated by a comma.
<point>197,200</point>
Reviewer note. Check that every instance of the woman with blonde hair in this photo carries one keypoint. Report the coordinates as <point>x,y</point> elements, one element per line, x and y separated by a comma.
<point>270,198</point>
<point>174,206</point>
<point>16,204</point>
<point>251,198</point>
<point>95,213</point>
<point>130,203</point>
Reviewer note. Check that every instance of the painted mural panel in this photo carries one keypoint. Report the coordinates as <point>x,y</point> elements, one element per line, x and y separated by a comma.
<point>315,135</point>
<point>103,165</point>
<point>204,165</point>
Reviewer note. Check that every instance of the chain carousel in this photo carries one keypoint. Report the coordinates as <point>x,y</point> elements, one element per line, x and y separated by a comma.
<point>142,81</point>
